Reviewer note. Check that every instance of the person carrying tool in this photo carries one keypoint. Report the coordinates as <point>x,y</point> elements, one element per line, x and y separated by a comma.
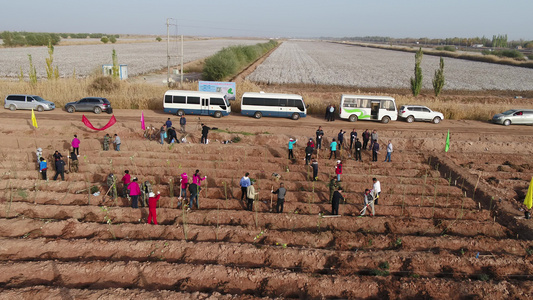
<point>368,202</point>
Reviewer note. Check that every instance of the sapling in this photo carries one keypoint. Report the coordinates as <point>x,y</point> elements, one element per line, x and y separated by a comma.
<point>434,199</point>
<point>171,192</point>
<point>225,191</point>
<point>218,214</point>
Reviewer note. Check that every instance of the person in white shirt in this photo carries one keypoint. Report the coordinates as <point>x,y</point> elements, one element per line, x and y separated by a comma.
<point>376,190</point>
<point>389,152</point>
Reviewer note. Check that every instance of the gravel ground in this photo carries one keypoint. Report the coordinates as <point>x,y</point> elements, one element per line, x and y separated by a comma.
<point>335,64</point>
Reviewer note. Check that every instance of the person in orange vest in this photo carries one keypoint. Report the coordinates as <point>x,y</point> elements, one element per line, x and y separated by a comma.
<point>152,205</point>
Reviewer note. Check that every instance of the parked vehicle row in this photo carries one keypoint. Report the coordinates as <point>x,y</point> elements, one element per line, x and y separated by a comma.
<point>258,105</point>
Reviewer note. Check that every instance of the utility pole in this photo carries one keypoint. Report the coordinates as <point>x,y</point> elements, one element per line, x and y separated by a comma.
<point>168,54</point>
<point>181,63</point>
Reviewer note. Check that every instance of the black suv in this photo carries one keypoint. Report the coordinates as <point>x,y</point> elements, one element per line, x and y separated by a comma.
<point>95,104</point>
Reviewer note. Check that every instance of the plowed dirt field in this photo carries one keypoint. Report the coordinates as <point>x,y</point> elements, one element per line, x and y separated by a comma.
<point>448,225</point>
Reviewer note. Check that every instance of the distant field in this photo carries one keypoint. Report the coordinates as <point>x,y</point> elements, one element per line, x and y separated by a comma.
<point>140,57</point>
<point>336,64</point>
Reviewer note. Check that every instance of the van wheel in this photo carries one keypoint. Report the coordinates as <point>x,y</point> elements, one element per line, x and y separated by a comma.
<point>70,109</point>
<point>410,119</point>
<point>218,114</point>
<point>385,120</point>
<point>40,108</point>
<point>258,115</point>
<point>12,107</point>
<point>180,113</point>
<point>97,110</point>
<point>436,120</point>
<point>353,118</point>
<point>507,122</point>
<point>295,116</point>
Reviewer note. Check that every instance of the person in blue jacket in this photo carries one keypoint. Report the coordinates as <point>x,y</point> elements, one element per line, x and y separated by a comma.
<point>43,167</point>
<point>291,146</point>
<point>333,149</point>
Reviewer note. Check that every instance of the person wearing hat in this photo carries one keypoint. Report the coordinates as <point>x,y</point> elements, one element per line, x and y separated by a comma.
<point>311,143</point>
<point>152,205</point>
<point>338,170</point>
<point>135,192</point>
<point>291,146</point>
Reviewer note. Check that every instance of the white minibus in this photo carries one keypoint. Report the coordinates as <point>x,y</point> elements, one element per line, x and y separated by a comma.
<point>196,103</point>
<point>273,105</point>
<point>361,107</point>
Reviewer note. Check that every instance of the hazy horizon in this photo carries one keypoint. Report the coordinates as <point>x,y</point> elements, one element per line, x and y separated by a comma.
<point>273,19</point>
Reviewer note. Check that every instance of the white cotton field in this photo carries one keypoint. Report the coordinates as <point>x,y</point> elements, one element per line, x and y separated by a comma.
<point>140,57</point>
<point>337,64</point>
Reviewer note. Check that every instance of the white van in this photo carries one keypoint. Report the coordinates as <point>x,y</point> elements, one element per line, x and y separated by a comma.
<point>361,107</point>
<point>196,103</point>
<point>273,105</point>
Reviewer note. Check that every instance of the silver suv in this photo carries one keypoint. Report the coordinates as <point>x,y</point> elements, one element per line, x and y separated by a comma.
<point>14,102</point>
<point>413,113</point>
<point>514,116</point>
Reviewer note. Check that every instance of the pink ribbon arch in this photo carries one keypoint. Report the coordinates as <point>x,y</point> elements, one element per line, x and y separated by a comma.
<point>87,123</point>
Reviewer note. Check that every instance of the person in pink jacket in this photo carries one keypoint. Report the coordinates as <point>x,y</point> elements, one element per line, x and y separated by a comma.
<point>196,179</point>
<point>184,180</point>
<point>76,145</point>
<point>152,205</point>
<point>338,170</point>
<point>135,192</point>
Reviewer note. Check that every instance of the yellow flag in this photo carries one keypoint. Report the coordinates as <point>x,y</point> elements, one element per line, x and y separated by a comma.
<point>33,119</point>
<point>529,197</point>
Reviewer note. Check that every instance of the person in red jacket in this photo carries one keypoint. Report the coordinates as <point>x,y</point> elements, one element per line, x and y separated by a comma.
<point>135,192</point>
<point>338,170</point>
<point>152,204</point>
<point>126,179</point>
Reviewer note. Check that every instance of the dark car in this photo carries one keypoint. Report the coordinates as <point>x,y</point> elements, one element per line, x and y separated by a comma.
<point>95,104</point>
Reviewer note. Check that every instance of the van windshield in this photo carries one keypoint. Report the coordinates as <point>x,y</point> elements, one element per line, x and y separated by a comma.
<point>509,112</point>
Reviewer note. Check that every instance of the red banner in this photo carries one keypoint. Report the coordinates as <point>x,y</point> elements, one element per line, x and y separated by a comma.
<point>87,123</point>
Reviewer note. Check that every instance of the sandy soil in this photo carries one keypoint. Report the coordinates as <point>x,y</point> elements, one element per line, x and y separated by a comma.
<point>439,232</point>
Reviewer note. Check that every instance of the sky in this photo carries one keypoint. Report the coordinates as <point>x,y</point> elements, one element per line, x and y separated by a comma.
<point>276,18</point>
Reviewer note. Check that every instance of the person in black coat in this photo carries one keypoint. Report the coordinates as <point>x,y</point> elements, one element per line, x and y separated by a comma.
<point>205,131</point>
<point>353,136</point>
<point>358,147</point>
<point>337,198</point>
<point>375,150</point>
<point>60,169</point>
<point>172,137</point>
<point>308,152</point>
<point>314,165</point>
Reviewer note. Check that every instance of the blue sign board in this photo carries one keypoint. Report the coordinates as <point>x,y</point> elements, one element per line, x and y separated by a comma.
<point>227,88</point>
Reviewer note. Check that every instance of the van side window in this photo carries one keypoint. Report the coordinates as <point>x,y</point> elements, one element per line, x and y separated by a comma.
<point>16,98</point>
<point>217,101</point>
<point>282,102</point>
<point>193,100</point>
<point>178,99</point>
<point>350,102</point>
<point>365,103</point>
<point>388,105</point>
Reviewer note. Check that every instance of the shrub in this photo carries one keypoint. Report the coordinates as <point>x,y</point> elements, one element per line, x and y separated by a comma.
<point>446,48</point>
<point>113,39</point>
<point>159,39</point>
<point>229,61</point>
<point>104,39</point>
<point>511,53</point>
<point>103,84</point>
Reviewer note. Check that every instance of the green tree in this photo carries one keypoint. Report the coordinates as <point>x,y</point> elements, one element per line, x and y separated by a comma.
<point>49,61</point>
<point>113,39</point>
<point>416,82</point>
<point>115,64</point>
<point>33,71</point>
<point>159,39</point>
<point>104,39</point>
<point>438,80</point>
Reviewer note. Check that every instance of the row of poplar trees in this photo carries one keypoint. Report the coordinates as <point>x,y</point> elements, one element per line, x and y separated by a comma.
<point>438,79</point>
